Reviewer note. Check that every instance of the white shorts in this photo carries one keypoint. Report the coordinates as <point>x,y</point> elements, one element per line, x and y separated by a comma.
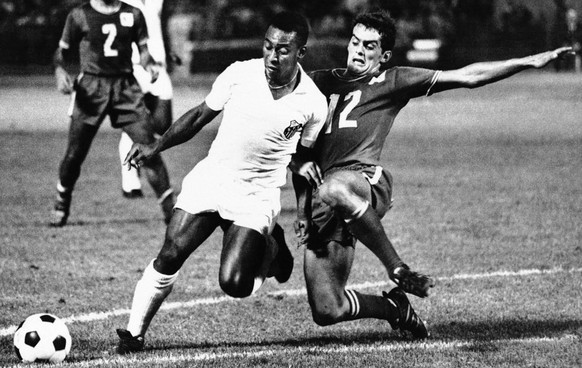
<point>208,188</point>
<point>161,88</point>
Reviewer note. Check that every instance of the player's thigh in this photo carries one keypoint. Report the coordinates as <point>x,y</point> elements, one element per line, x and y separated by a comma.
<point>184,234</point>
<point>139,132</point>
<point>243,250</point>
<point>129,111</point>
<point>81,136</point>
<point>161,111</point>
<point>327,271</point>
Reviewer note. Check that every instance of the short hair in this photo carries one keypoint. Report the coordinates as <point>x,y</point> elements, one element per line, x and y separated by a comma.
<point>288,21</point>
<point>382,22</point>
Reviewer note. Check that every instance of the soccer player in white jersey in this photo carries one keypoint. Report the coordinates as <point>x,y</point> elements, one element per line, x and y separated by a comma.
<point>270,107</point>
<point>157,95</point>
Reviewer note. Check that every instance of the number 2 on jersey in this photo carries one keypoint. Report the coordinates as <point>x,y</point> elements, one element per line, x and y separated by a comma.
<point>343,122</point>
<point>111,31</point>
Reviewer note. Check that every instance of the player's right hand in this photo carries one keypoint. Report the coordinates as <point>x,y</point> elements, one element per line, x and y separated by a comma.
<point>309,170</point>
<point>138,154</point>
<point>64,81</point>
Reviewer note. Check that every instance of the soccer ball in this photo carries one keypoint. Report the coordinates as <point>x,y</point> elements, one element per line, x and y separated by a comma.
<point>42,337</point>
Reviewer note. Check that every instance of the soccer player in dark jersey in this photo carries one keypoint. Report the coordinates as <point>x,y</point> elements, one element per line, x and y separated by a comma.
<point>104,31</point>
<point>352,190</point>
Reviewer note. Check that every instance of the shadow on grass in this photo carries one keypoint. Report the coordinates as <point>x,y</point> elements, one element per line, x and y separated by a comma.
<point>483,336</point>
<point>477,332</point>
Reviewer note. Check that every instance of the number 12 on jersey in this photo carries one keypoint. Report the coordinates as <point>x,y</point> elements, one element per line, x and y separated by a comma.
<point>354,99</point>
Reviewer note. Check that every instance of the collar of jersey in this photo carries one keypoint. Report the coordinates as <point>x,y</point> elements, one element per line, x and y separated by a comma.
<point>339,74</point>
<point>103,9</point>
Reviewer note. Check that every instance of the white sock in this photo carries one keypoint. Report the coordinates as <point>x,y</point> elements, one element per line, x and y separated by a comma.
<point>151,290</point>
<point>129,175</point>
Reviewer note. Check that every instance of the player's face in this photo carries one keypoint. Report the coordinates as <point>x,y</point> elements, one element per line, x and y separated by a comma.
<point>365,55</point>
<point>280,55</point>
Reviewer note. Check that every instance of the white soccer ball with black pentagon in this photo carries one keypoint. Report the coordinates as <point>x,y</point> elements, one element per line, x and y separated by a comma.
<point>42,337</point>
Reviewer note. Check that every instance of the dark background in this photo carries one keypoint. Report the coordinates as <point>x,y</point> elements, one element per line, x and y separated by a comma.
<point>210,34</point>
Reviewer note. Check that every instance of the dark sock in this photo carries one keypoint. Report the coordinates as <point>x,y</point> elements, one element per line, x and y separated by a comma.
<point>370,306</point>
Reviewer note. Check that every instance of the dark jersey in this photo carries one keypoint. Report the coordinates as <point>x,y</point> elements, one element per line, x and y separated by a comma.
<point>104,39</point>
<point>361,112</point>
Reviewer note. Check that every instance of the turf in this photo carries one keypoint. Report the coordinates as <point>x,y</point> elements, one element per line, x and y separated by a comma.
<point>488,199</point>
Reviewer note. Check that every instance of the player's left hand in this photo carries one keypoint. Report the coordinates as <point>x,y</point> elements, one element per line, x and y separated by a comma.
<point>174,59</point>
<point>542,59</point>
<point>64,81</point>
<point>154,70</point>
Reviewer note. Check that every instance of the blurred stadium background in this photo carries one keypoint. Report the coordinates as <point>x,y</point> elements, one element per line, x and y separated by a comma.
<point>210,34</point>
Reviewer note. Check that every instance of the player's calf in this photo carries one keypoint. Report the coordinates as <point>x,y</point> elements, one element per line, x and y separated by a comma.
<point>282,266</point>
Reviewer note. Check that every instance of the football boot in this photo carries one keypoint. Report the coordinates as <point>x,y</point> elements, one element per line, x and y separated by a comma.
<point>412,282</point>
<point>128,343</point>
<point>407,319</point>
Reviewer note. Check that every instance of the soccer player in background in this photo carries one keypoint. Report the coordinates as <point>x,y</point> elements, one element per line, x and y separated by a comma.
<point>158,94</point>
<point>347,192</point>
<point>104,31</point>
<point>270,107</point>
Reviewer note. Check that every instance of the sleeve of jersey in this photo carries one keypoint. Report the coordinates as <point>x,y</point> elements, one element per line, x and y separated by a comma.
<point>315,124</point>
<point>416,82</point>
<point>221,89</point>
<point>68,37</point>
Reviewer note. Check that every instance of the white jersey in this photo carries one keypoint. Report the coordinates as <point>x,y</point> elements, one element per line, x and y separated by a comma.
<point>258,134</point>
<point>152,11</point>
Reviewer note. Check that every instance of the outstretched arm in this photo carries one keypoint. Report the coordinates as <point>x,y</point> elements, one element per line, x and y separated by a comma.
<point>479,74</point>
<point>179,132</point>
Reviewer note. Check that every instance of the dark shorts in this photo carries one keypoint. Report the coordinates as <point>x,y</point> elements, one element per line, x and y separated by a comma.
<point>329,227</point>
<point>119,97</point>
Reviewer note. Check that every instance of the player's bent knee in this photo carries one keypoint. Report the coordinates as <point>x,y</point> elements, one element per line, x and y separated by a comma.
<point>334,193</point>
<point>326,317</point>
<point>326,313</point>
<point>234,284</point>
<point>170,258</point>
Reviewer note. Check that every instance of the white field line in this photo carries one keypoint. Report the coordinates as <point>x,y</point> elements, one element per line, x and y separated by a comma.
<point>300,351</point>
<point>295,292</point>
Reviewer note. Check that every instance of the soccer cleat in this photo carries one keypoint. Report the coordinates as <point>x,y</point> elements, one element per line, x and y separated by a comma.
<point>60,213</point>
<point>407,320</point>
<point>284,259</point>
<point>412,282</point>
<point>132,194</point>
<point>128,343</point>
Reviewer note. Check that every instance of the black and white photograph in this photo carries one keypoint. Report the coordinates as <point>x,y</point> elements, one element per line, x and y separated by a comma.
<point>291,183</point>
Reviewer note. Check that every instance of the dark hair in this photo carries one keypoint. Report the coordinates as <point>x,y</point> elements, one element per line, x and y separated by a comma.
<point>292,22</point>
<point>381,22</point>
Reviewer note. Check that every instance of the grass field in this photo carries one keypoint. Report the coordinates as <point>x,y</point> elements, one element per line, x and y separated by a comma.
<point>488,189</point>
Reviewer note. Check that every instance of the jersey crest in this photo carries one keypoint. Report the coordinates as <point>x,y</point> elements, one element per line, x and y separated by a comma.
<point>293,128</point>
<point>126,19</point>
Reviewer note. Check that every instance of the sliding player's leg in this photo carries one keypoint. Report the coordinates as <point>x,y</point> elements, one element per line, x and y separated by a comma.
<point>353,195</point>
